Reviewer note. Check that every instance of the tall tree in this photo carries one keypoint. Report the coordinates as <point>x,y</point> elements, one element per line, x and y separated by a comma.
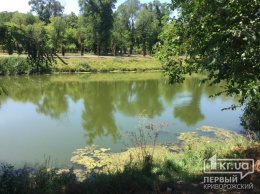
<point>221,38</point>
<point>119,35</point>
<point>99,19</point>
<point>56,31</point>
<point>5,16</point>
<point>19,19</point>
<point>149,23</point>
<point>126,17</point>
<point>46,9</point>
<point>71,20</point>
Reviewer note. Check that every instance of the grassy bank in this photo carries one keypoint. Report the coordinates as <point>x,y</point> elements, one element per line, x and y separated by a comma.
<point>108,64</point>
<point>148,169</point>
<point>19,65</point>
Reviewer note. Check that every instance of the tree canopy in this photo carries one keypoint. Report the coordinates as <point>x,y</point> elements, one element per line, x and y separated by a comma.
<point>46,9</point>
<point>100,27</point>
<point>217,38</point>
<point>220,39</point>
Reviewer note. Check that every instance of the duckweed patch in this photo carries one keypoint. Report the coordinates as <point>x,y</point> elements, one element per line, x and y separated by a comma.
<point>107,172</point>
<point>96,159</point>
<point>186,155</point>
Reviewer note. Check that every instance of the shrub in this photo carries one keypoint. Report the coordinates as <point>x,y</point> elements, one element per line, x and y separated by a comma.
<point>84,67</point>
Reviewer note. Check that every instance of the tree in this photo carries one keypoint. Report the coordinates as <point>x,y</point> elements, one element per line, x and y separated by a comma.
<point>82,33</point>
<point>6,36</point>
<point>126,18</point>
<point>19,19</point>
<point>71,20</point>
<point>70,39</point>
<point>227,49</point>
<point>149,23</point>
<point>5,16</point>
<point>56,31</point>
<point>46,9</point>
<point>33,39</point>
<point>70,36</point>
<point>31,19</point>
<point>119,35</point>
<point>99,20</point>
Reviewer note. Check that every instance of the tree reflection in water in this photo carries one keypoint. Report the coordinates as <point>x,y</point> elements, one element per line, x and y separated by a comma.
<point>103,96</point>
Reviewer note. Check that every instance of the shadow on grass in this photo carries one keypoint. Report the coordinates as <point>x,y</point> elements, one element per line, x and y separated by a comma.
<point>167,176</point>
<point>143,177</point>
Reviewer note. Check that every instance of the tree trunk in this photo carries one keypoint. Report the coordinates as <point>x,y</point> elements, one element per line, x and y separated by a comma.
<point>18,49</point>
<point>115,50</point>
<point>144,49</point>
<point>82,49</point>
<point>98,49</point>
<point>63,50</point>
<point>131,50</point>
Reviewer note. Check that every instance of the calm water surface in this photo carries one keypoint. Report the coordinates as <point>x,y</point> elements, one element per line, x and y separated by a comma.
<point>53,115</point>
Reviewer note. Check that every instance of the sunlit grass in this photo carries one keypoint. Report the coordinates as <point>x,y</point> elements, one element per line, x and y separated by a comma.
<point>107,64</point>
<point>86,63</point>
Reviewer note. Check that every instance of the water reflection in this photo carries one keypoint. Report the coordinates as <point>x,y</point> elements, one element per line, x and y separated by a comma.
<point>97,117</point>
<point>190,112</point>
<point>101,99</point>
<point>104,105</point>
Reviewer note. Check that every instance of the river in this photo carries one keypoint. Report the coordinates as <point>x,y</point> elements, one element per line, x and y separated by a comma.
<point>53,115</point>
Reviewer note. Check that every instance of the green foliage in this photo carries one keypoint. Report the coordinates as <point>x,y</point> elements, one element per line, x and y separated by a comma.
<point>14,66</point>
<point>40,55</point>
<point>19,19</point>
<point>99,21</point>
<point>149,24</point>
<point>70,39</point>
<point>56,32</point>
<point>84,67</point>
<point>72,20</point>
<point>147,176</point>
<point>41,179</point>
<point>250,118</point>
<point>46,9</point>
<point>124,24</point>
<point>33,39</point>
<point>97,29</point>
<point>227,49</point>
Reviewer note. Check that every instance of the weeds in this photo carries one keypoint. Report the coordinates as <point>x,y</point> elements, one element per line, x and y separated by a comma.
<point>84,67</point>
<point>149,174</point>
<point>145,138</point>
<point>40,179</point>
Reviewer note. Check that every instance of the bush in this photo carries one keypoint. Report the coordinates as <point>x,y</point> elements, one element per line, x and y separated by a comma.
<point>20,65</point>
<point>14,66</point>
<point>39,180</point>
<point>250,119</point>
<point>84,67</point>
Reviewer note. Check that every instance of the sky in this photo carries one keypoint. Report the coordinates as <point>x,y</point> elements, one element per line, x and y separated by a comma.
<point>70,5</point>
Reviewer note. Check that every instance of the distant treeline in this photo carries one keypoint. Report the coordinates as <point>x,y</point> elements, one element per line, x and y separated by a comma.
<point>99,28</point>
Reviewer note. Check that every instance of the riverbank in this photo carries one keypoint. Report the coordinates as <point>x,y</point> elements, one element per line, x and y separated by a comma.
<point>164,169</point>
<point>13,65</point>
<point>108,64</point>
